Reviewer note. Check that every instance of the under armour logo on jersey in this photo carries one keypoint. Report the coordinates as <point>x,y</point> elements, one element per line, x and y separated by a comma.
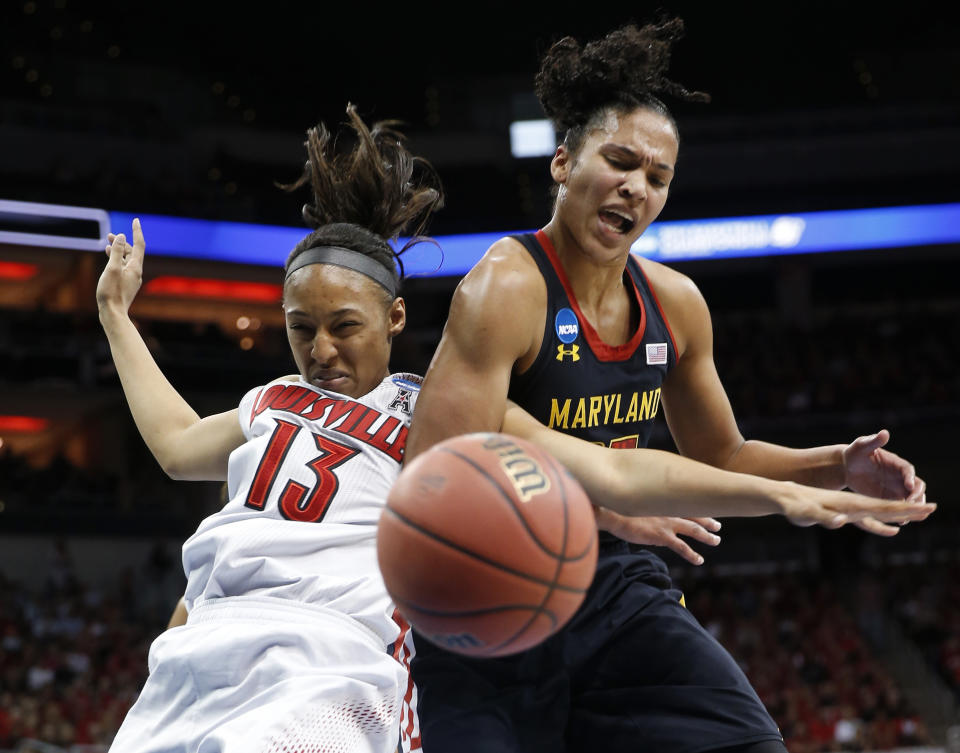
<point>402,401</point>
<point>573,351</point>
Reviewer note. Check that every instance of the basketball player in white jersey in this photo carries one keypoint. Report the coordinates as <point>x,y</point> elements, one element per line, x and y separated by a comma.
<point>292,642</point>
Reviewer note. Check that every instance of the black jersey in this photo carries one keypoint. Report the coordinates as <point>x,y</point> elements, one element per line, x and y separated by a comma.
<point>633,669</point>
<point>582,386</point>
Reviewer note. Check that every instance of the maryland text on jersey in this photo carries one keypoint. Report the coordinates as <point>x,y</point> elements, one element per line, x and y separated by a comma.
<point>602,410</point>
<point>340,414</point>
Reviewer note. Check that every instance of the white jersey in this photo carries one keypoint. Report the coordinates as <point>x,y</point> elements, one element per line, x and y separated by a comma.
<point>306,492</point>
<point>292,642</point>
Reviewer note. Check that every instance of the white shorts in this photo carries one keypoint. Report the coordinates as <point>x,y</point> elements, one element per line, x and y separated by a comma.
<point>264,675</point>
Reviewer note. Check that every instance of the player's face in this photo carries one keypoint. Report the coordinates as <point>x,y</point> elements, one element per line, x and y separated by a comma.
<point>340,328</point>
<point>617,183</point>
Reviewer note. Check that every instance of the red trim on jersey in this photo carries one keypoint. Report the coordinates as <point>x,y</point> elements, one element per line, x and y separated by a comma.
<point>253,406</point>
<point>666,322</point>
<point>401,652</point>
<point>601,350</point>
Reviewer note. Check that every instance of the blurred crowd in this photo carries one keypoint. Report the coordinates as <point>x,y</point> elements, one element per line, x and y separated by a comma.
<point>73,656</point>
<point>809,662</point>
<point>848,362</point>
<point>926,601</point>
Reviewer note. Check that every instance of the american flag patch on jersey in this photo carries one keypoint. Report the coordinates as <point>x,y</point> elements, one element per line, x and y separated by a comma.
<point>656,353</point>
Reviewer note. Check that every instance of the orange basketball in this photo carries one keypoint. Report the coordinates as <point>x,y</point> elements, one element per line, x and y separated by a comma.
<point>487,544</point>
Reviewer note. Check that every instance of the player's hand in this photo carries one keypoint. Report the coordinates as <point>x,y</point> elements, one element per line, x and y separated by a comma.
<point>871,470</point>
<point>121,278</point>
<point>808,506</point>
<point>661,531</point>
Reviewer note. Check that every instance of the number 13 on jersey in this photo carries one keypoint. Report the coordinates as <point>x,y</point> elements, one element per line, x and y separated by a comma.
<point>298,502</point>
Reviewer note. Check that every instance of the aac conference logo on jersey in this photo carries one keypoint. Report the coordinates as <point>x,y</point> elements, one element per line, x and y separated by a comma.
<point>568,330</point>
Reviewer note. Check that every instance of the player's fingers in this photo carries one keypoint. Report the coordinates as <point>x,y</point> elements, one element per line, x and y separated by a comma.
<point>138,243</point>
<point>120,245</point>
<point>910,477</point>
<point>115,252</point>
<point>897,510</point>
<point>134,253</point>
<point>918,492</point>
<point>698,532</point>
<point>872,442</point>
<point>872,525</point>
<point>825,517</point>
<point>684,550</point>
<point>896,464</point>
<point>711,524</point>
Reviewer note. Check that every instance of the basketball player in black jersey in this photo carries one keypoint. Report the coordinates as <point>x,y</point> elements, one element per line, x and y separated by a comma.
<point>593,342</point>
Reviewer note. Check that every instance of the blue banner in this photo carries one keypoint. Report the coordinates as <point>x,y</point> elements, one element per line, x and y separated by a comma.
<point>454,255</point>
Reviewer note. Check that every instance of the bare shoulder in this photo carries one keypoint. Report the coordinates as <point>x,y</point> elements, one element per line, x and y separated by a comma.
<point>507,260</point>
<point>668,283</point>
<point>682,302</point>
<point>506,276</point>
<point>498,308</point>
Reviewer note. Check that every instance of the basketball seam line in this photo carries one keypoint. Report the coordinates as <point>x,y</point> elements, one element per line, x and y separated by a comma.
<point>513,506</point>
<point>477,612</point>
<point>463,550</point>
<point>541,609</point>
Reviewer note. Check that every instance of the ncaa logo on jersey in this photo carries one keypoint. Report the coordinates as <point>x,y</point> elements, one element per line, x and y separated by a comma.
<point>567,326</point>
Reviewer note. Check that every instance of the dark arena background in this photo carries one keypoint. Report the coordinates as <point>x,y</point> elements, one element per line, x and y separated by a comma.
<point>196,110</point>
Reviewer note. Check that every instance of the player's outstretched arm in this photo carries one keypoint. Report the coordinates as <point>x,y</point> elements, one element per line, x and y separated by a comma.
<point>702,423</point>
<point>186,446</point>
<point>654,482</point>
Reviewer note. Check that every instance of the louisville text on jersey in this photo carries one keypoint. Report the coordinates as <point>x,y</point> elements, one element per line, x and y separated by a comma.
<point>601,410</point>
<point>339,414</point>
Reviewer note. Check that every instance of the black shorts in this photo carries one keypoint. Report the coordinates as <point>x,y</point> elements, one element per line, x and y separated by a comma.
<point>632,671</point>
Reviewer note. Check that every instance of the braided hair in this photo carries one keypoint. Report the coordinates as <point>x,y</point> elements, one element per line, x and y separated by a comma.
<point>363,198</point>
<point>622,71</point>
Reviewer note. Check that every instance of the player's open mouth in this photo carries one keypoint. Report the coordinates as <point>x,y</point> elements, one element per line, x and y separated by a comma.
<point>618,222</point>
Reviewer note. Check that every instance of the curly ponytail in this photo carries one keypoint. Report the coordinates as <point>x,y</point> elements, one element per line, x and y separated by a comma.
<point>624,70</point>
<point>368,196</point>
